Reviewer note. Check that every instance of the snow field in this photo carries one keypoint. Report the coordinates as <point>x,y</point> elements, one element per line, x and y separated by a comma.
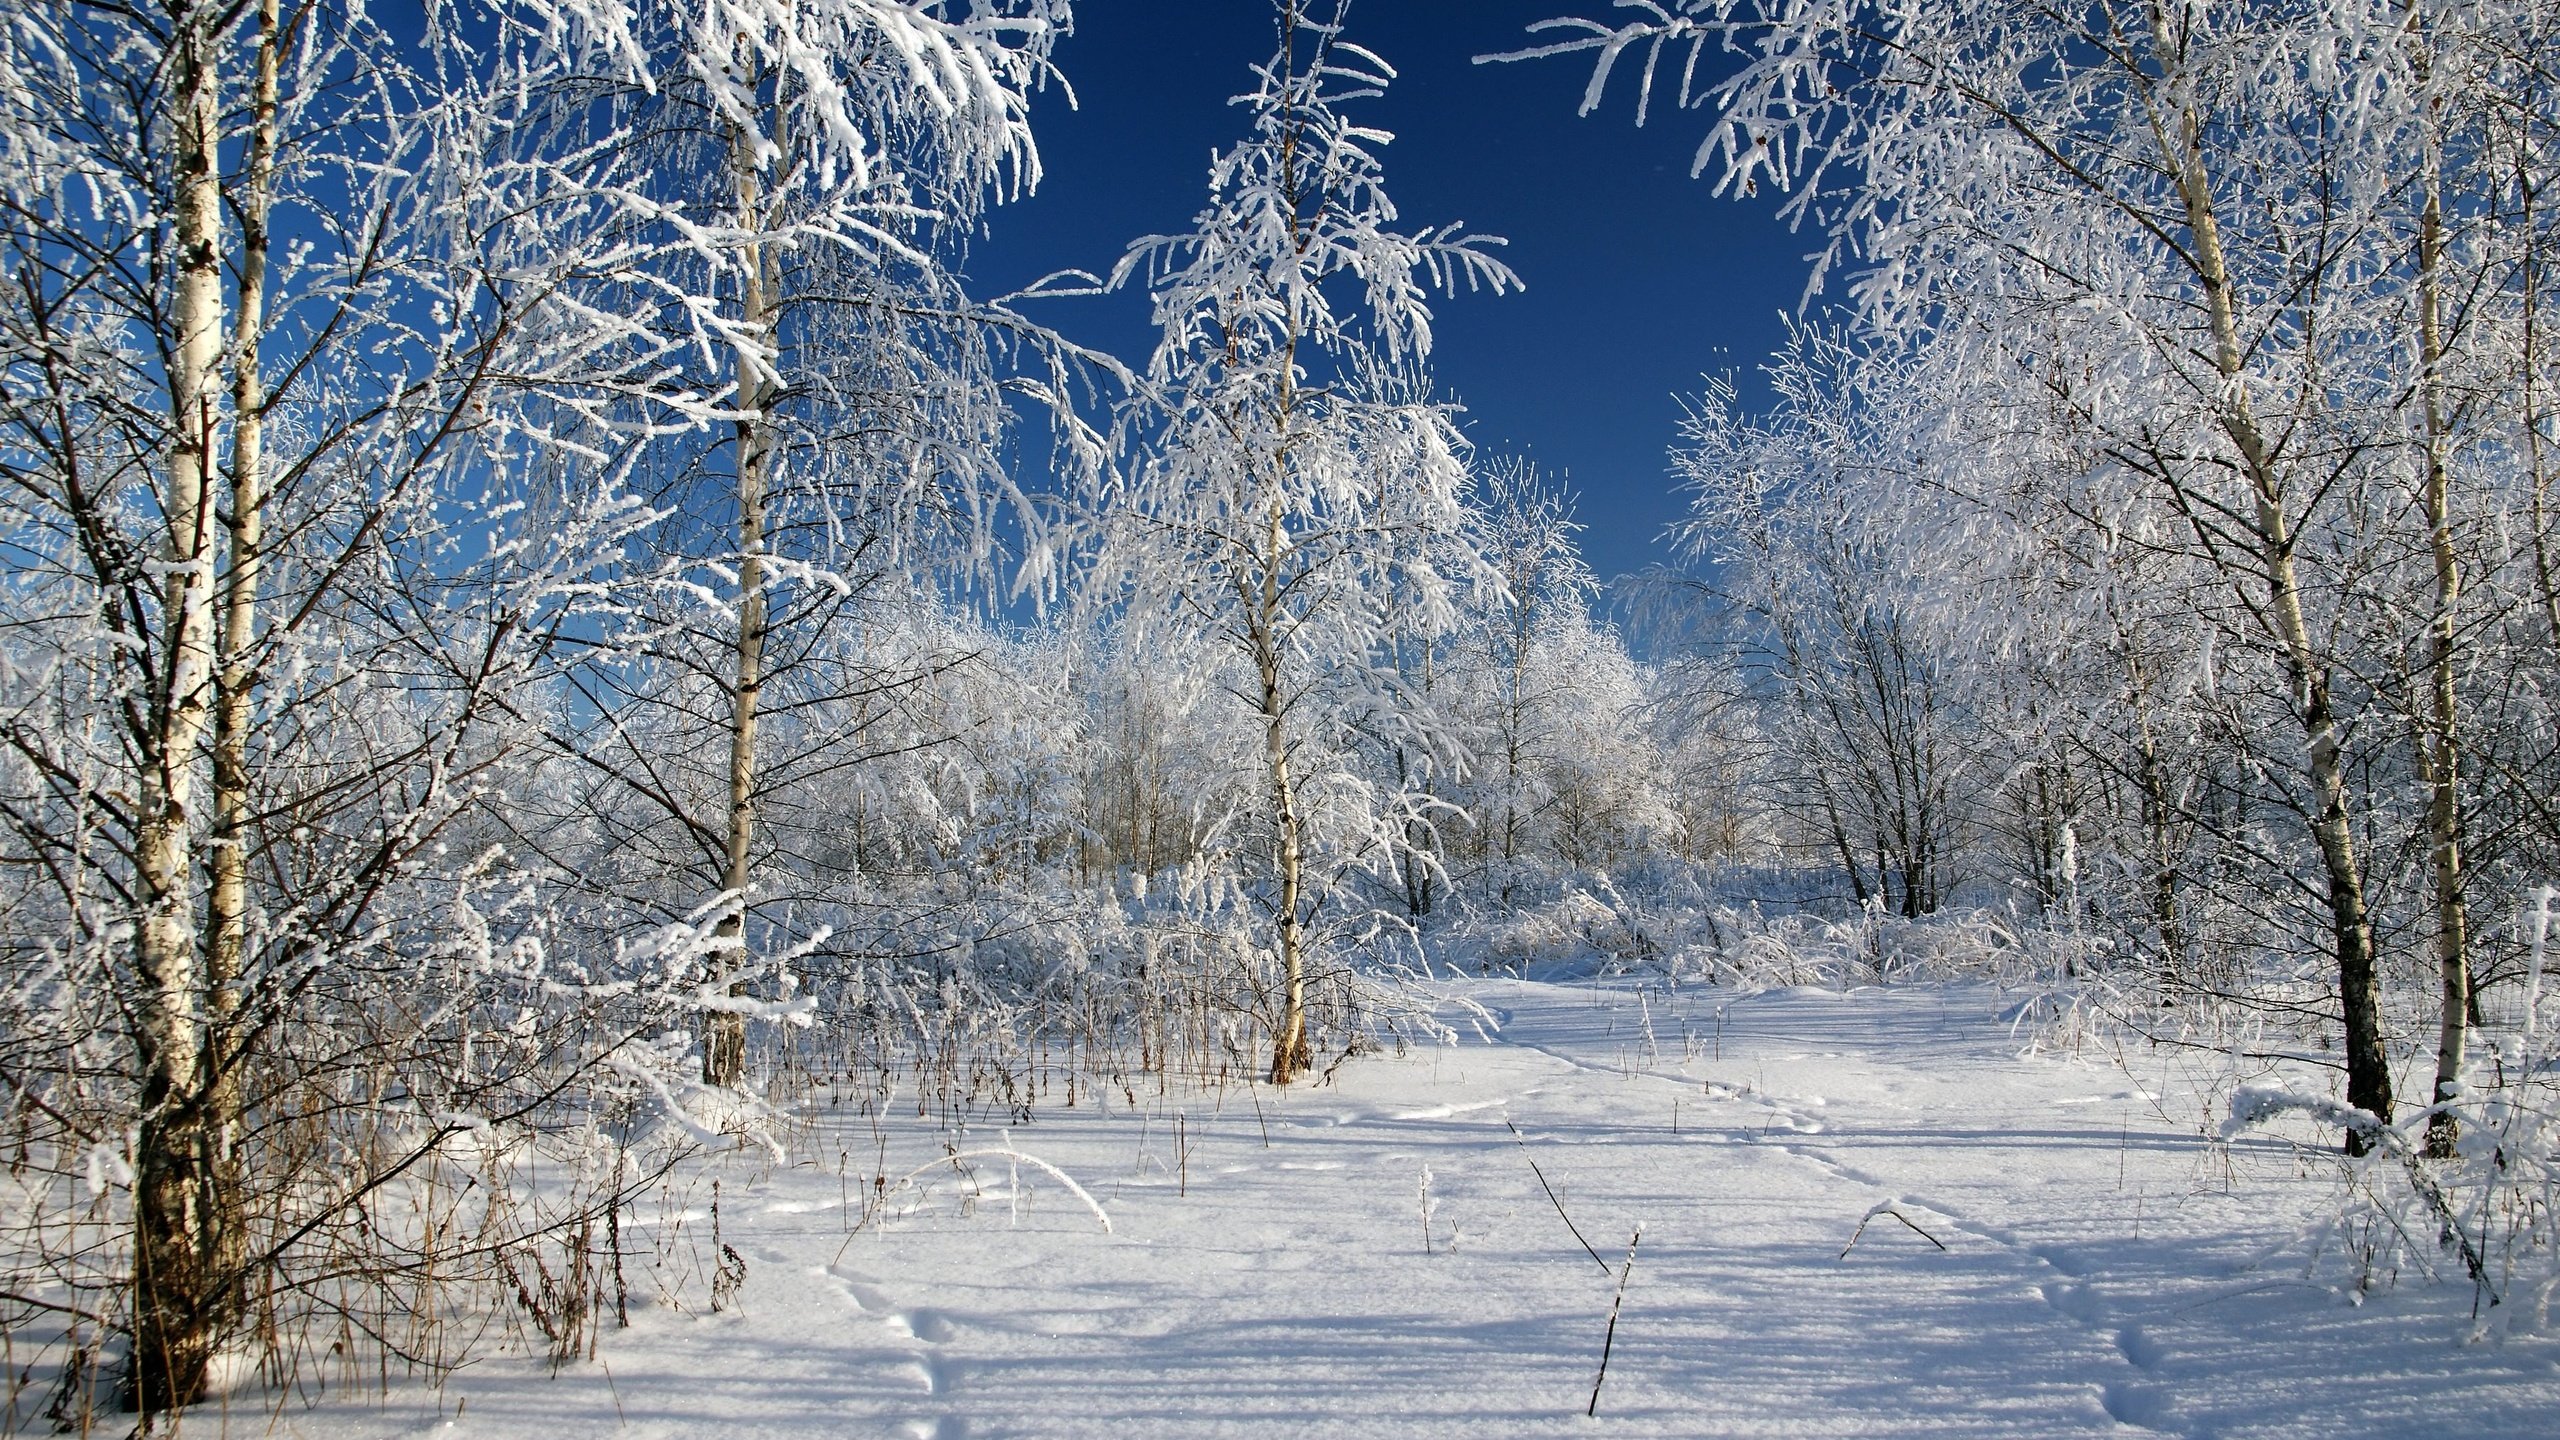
<point>1266,1274</point>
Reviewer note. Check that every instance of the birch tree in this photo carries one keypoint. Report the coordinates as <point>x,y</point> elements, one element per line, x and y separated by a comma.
<point>824,162</point>
<point>2179,221</point>
<point>296,439</point>
<point>1546,586</point>
<point>1297,481</point>
<point>1821,524</point>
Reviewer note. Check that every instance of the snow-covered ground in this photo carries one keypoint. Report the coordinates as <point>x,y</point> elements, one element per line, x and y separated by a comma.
<point>1268,1270</point>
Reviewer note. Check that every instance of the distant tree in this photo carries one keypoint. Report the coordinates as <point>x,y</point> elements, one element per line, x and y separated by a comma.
<point>1562,771</point>
<point>1873,725</point>
<point>1529,538</point>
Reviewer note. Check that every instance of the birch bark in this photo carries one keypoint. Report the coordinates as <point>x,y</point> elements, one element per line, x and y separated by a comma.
<point>2439,747</point>
<point>180,1210</point>
<point>724,1046</point>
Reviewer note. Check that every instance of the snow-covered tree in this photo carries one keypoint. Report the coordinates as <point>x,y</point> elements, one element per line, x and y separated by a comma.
<point>1159,769</point>
<point>1873,731</point>
<point>1560,770</point>
<point>299,425</point>
<point>1528,537</point>
<point>825,161</point>
<point>1301,499</point>
<point>2216,242</point>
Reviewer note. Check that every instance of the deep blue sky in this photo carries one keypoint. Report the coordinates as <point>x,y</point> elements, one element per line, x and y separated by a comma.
<point>1639,280</point>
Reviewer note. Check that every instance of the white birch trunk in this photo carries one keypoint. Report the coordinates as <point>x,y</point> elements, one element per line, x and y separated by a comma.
<point>1289,1053</point>
<point>2439,748</point>
<point>179,1209</point>
<point>2368,1067</point>
<point>724,1047</point>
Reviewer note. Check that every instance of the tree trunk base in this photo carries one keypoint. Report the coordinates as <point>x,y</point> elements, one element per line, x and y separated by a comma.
<point>1290,1057</point>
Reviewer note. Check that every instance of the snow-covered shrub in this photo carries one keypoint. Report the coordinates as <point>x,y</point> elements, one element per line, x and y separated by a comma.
<point>2487,1216</point>
<point>1667,917</point>
<point>1006,1000</point>
<point>440,1139</point>
<point>1573,926</point>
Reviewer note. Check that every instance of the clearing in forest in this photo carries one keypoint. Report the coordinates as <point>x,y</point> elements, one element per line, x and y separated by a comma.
<point>1375,1255</point>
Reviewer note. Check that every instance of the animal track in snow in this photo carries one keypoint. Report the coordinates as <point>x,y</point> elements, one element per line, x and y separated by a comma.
<point>930,1326</point>
<point>916,1372</point>
<point>1444,1112</point>
<point>856,1290</point>
<point>2144,1407</point>
<point>2076,1302</point>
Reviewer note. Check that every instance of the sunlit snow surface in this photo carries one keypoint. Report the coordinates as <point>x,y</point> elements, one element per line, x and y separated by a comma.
<point>2098,1275</point>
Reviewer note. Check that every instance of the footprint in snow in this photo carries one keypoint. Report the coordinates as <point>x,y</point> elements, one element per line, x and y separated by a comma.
<point>929,1373</point>
<point>2076,1302</point>
<point>2140,1350</point>
<point>916,1373</point>
<point>1847,1171</point>
<point>857,1293</point>
<point>2144,1407</point>
<point>2063,1261</point>
<point>930,1326</point>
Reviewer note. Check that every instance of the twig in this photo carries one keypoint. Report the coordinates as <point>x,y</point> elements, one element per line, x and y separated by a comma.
<point>1011,1155</point>
<point>1609,1341</point>
<point>610,1388</point>
<point>1551,1195</point>
<point>1886,1208</point>
<point>14,1298</point>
